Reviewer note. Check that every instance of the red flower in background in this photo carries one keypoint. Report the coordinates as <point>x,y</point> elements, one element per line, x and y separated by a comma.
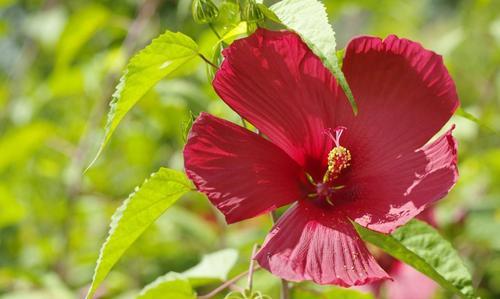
<point>374,168</point>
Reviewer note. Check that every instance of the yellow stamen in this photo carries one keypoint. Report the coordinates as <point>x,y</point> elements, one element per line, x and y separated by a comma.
<point>338,160</point>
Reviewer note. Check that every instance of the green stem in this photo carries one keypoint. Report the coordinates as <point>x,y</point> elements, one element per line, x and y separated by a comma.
<point>214,31</point>
<point>208,61</point>
<point>219,37</point>
<point>251,268</point>
<point>227,284</point>
<point>244,122</point>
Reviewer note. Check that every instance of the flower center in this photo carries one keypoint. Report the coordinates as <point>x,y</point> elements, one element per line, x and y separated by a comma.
<point>339,158</point>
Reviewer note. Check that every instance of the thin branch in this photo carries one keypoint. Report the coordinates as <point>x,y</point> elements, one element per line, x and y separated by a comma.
<point>146,11</point>
<point>214,31</point>
<point>208,61</point>
<point>285,289</point>
<point>251,268</point>
<point>226,284</point>
<point>217,34</point>
<point>236,288</point>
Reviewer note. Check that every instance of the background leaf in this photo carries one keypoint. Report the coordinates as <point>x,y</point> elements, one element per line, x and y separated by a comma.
<point>214,266</point>
<point>162,57</point>
<point>309,19</point>
<point>171,285</point>
<point>136,214</point>
<point>79,29</point>
<point>420,246</point>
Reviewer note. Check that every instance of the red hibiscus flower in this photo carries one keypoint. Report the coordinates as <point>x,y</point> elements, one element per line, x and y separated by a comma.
<point>376,168</point>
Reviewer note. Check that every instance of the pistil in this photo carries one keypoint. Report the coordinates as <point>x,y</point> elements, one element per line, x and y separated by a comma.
<point>339,158</point>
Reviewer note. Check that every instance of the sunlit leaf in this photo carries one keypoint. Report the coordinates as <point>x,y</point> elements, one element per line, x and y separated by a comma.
<point>79,29</point>
<point>136,214</point>
<point>163,56</point>
<point>214,266</point>
<point>420,246</point>
<point>239,30</point>
<point>308,18</point>
<point>171,285</point>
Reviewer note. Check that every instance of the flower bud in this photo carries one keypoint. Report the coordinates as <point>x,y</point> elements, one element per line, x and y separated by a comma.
<point>252,12</point>
<point>204,11</point>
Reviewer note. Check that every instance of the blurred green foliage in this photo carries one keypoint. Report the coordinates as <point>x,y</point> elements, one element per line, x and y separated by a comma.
<point>59,64</point>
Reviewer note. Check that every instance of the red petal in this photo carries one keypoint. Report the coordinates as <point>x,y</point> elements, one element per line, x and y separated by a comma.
<point>243,174</point>
<point>273,80</point>
<point>404,94</point>
<point>386,197</point>
<point>409,284</point>
<point>308,243</point>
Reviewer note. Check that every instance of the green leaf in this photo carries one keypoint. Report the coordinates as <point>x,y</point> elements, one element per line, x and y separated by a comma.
<point>186,125</point>
<point>268,13</point>
<point>308,19</point>
<point>171,285</point>
<point>214,266</point>
<point>79,29</point>
<point>420,246</point>
<point>340,56</point>
<point>238,31</point>
<point>136,214</point>
<point>162,57</point>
